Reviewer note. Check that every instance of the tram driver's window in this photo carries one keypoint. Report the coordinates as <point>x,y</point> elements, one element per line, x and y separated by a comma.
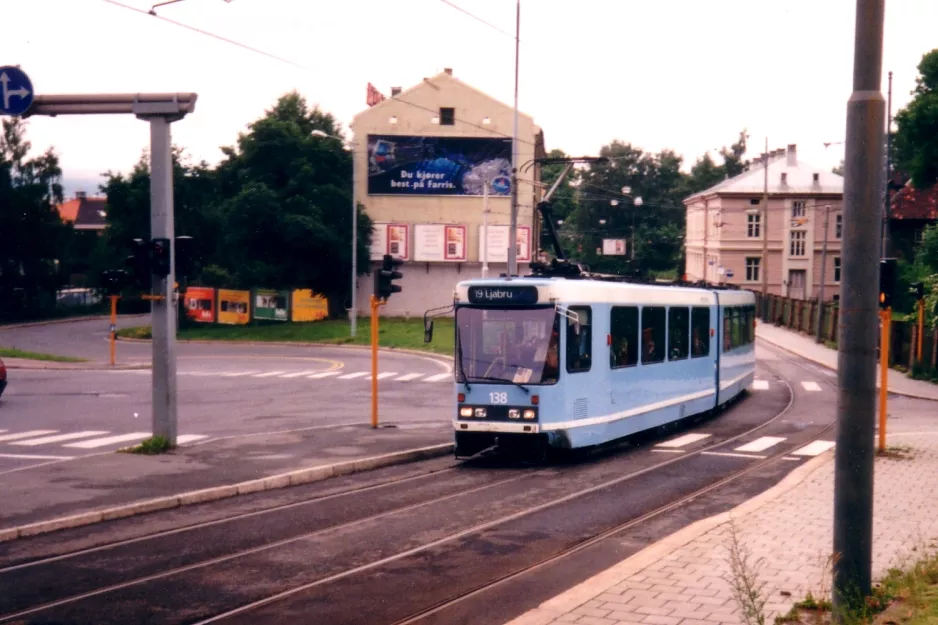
<point>678,329</point>
<point>624,335</point>
<point>700,332</point>
<point>579,339</point>
<point>653,331</point>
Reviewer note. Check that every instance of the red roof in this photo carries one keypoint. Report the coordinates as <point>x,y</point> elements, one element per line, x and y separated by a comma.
<point>912,203</point>
<point>68,211</point>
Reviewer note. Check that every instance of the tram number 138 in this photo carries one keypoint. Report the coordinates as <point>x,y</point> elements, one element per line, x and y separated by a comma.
<point>498,398</point>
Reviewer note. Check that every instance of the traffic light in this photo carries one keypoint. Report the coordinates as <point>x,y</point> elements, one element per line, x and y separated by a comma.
<point>887,281</point>
<point>918,289</point>
<point>161,257</point>
<point>139,263</point>
<point>185,261</point>
<point>113,280</point>
<point>384,277</point>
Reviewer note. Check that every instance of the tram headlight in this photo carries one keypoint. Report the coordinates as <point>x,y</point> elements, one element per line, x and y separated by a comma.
<point>514,413</point>
<point>480,412</point>
<point>529,414</point>
<point>465,411</point>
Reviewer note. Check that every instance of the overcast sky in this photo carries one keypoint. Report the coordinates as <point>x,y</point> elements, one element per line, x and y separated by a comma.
<point>680,74</point>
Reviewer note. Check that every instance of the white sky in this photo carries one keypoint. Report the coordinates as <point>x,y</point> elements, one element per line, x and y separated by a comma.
<point>680,74</point>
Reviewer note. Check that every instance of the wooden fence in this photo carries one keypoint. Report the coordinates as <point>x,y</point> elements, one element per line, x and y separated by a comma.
<point>801,316</point>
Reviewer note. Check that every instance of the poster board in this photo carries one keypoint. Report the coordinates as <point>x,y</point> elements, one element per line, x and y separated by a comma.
<point>498,244</point>
<point>613,247</point>
<point>200,304</point>
<point>234,307</point>
<point>308,306</point>
<point>439,243</point>
<point>271,305</point>
<point>390,238</point>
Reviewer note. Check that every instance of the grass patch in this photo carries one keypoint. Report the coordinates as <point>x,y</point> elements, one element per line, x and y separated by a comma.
<point>10,352</point>
<point>393,332</point>
<point>150,447</point>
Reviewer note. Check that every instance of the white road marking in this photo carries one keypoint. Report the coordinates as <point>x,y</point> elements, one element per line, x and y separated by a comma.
<point>34,457</point>
<point>386,374</point>
<point>682,441</point>
<point>110,440</point>
<point>237,374</point>
<point>814,449</point>
<point>409,376</point>
<point>811,386</point>
<point>59,438</point>
<point>438,377</point>
<point>188,438</point>
<point>669,451</point>
<point>30,434</point>
<point>761,444</point>
<point>730,455</point>
<point>299,373</point>
<point>790,458</point>
<point>760,385</point>
<point>350,376</point>
<point>269,374</point>
<point>324,374</point>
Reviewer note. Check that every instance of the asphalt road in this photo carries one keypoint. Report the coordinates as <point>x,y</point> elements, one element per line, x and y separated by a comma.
<point>438,542</point>
<point>223,390</point>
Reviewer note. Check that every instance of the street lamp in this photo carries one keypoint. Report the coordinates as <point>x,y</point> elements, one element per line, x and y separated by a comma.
<point>353,312</point>
<point>637,201</point>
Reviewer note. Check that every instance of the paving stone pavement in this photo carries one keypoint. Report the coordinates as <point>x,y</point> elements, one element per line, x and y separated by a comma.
<point>787,532</point>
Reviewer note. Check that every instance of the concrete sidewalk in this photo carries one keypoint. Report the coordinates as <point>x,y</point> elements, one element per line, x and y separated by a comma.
<point>804,346</point>
<point>90,489</point>
<point>684,579</point>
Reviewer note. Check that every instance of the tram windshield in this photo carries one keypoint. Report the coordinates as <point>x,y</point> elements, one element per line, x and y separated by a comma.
<point>518,345</point>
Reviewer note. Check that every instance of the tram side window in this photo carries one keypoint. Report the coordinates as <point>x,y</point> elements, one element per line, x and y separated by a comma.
<point>749,333</point>
<point>653,320</point>
<point>624,330</point>
<point>579,340</point>
<point>678,328</point>
<point>700,332</point>
<point>737,323</point>
<point>727,329</point>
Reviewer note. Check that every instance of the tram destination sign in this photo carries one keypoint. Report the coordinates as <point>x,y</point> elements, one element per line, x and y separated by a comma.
<point>517,295</point>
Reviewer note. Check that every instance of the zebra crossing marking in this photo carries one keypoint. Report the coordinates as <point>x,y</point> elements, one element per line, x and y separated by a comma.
<point>811,386</point>
<point>683,441</point>
<point>299,374</point>
<point>437,377</point>
<point>30,434</point>
<point>408,377</point>
<point>760,444</point>
<point>814,449</point>
<point>352,376</point>
<point>760,385</point>
<point>269,374</point>
<point>58,438</point>
<point>324,374</point>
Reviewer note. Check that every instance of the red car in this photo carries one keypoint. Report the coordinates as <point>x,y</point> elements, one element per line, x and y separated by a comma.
<point>3,377</point>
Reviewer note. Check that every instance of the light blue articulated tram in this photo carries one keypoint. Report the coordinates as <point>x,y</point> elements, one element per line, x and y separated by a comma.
<point>552,362</point>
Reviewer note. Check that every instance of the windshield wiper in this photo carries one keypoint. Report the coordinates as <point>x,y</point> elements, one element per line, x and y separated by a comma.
<point>465,379</point>
<point>518,384</point>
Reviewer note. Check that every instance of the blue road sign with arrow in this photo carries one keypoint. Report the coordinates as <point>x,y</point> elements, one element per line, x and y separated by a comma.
<point>16,91</point>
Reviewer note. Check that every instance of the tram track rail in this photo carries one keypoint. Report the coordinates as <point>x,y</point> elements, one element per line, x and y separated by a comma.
<point>449,538</point>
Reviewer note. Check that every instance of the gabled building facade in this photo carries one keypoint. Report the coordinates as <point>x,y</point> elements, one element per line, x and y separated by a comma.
<point>911,210</point>
<point>425,160</point>
<point>728,228</point>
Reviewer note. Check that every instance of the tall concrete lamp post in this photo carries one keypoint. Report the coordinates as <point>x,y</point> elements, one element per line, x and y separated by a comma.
<point>353,311</point>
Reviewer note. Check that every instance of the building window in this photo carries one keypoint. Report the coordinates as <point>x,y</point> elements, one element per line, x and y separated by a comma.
<point>624,330</point>
<point>752,269</point>
<point>797,208</point>
<point>579,340</point>
<point>839,226</point>
<point>447,116</point>
<point>700,332</point>
<point>653,321</point>
<point>797,243</point>
<point>753,223</point>
<point>836,268</point>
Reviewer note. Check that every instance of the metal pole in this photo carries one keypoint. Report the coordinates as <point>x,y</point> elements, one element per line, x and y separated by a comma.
<point>884,351</point>
<point>513,228</point>
<point>164,317</point>
<point>375,305</point>
<point>820,299</point>
<point>856,349</point>
<point>921,329</point>
<point>113,328</point>
<point>485,229</point>
<point>765,226</point>
<point>353,314</point>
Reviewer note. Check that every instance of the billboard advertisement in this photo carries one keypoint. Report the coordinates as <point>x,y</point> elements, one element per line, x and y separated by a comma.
<point>234,307</point>
<point>308,306</point>
<point>613,247</point>
<point>271,305</point>
<point>439,242</point>
<point>498,244</point>
<point>407,165</point>
<point>200,304</point>
<point>390,239</point>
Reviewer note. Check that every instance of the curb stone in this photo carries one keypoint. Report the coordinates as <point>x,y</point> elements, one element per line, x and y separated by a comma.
<point>273,482</point>
<point>827,366</point>
<point>26,364</point>
<point>48,322</point>
<point>598,584</point>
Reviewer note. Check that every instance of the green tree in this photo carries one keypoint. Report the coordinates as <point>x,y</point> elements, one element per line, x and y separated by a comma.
<point>32,235</point>
<point>286,208</point>
<point>916,139</point>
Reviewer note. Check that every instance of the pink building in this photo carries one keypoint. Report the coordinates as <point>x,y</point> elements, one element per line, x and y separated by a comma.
<point>727,226</point>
